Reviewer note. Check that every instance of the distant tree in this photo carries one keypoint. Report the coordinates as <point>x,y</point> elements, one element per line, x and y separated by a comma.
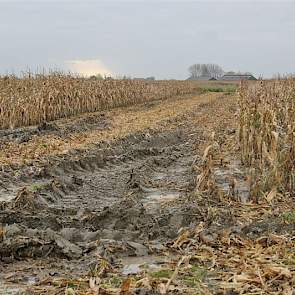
<point>195,70</point>
<point>205,70</point>
<point>215,70</point>
<point>108,77</point>
<point>126,77</point>
<point>96,77</point>
<point>150,78</point>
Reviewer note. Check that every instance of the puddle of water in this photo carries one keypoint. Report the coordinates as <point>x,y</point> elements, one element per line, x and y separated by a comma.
<point>179,169</point>
<point>135,265</point>
<point>32,280</point>
<point>14,289</point>
<point>6,198</point>
<point>156,198</point>
<point>161,197</point>
<point>159,176</point>
<point>223,175</point>
<point>244,195</point>
<point>131,269</point>
<point>171,171</point>
<point>10,289</point>
<point>141,260</point>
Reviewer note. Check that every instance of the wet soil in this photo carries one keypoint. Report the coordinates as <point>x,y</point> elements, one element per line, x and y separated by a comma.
<point>117,201</point>
<point>122,201</point>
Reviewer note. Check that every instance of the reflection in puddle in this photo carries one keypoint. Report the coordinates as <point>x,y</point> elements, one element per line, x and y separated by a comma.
<point>156,198</point>
<point>10,290</point>
<point>161,197</point>
<point>32,280</point>
<point>180,169</point>
<point>135,265</point>
<point>6,198</point>
<point>159,176</point>
<point>223,176</point>
<point>172,172</point>
<point>131,269</point>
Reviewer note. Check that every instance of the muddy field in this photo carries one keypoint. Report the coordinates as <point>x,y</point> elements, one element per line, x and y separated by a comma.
<point>104,201</point>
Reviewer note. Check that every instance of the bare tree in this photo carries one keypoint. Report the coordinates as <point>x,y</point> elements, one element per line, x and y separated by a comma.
<point>215,70</point>
<point>205,70</point>
<point>194,70</point>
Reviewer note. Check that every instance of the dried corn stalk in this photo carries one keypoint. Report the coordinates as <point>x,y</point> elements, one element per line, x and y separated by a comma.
<point>267,135</point>
<point>34,99</point>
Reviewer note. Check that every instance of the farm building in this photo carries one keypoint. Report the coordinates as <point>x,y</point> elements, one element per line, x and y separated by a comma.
<point>202,78</point>
<point>145,79</point>
<point>237,77</point>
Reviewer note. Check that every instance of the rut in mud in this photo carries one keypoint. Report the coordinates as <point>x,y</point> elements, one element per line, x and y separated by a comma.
<point>127,199</point>
<point>143,169</point>
<point>119,203</point>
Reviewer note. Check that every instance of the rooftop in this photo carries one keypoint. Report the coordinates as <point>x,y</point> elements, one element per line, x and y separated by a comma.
<point>238,77</point>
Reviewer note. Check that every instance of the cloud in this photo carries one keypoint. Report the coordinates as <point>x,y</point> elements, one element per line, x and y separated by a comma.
<point>88,67</point>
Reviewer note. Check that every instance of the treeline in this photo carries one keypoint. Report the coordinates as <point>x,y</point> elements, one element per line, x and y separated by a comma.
<point>205,70</point>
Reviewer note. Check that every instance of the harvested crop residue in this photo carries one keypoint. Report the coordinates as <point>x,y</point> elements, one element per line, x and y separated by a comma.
<point>115,209</point>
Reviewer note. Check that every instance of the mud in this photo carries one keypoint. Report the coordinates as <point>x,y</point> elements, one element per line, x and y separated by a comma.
<point>115,202</point>
<point>122,202</point>
<point>61,128</point>
<point>231,180</point>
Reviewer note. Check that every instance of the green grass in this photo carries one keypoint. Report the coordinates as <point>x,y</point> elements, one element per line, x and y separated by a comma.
<point>288,216</point>
<point>35,187</point>
<point>191,278</point>
<point>115,281</point>
<point>195,276</point>
<point>164,273</point>
<point>219,88</point>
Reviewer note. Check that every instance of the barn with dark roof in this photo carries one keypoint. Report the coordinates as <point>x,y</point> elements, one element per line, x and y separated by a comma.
<point>237,77</point>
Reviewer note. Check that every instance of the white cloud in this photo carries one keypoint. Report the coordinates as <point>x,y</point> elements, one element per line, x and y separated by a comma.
<point>88,67</point>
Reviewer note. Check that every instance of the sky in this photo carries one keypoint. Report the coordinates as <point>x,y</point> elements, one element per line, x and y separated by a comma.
<point>147,38</point>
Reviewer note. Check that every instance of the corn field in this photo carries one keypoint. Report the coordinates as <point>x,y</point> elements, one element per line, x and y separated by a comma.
<point>31,100</point>
<point>267,136</point>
